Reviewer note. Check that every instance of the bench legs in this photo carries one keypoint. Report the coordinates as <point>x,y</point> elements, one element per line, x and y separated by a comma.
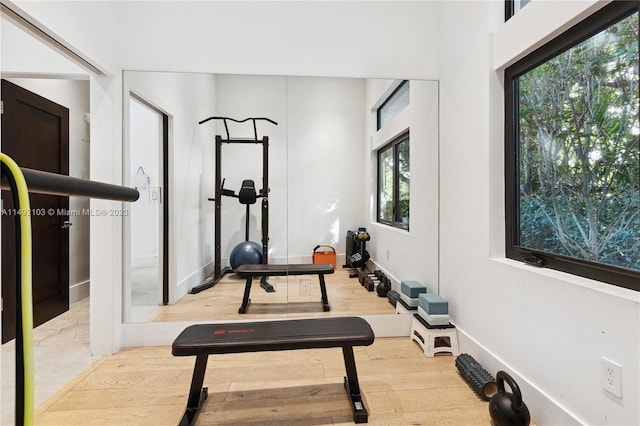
<point>246,301</point>
<point>197,394</point>
<point>247,291</point>
<point>325,300</point>
<point>266,286</point>
<point>351,385</point>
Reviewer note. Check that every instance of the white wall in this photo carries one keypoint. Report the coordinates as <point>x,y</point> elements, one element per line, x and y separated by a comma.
<point>325,166</point>
<point>308,38</point>
<point>406,255</point>
<point>548,329</point>
<point>21,54</point>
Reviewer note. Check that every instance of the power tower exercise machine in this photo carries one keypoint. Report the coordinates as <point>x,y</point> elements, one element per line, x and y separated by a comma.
<point>244,196</point>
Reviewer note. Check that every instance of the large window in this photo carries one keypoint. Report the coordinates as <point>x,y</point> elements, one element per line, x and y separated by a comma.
<point>572,161</point>
<point>393,182</point>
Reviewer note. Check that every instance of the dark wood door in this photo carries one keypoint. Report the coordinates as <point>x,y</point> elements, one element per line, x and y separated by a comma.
<point>35,133</point>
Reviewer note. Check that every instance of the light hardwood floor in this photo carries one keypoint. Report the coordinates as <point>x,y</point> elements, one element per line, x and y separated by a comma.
<point>61,352</point>
<point>148,386</point>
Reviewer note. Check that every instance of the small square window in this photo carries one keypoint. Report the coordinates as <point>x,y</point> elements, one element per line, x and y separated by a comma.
<point>396,102</point>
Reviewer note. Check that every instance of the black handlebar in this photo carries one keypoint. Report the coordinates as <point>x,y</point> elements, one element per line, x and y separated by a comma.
<point>253,119</point>
<point>41,182</point>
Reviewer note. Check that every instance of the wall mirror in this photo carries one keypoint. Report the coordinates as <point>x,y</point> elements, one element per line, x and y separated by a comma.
<point>321,174</point>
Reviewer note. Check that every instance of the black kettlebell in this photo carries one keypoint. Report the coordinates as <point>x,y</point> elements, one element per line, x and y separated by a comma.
<point>508,409</point>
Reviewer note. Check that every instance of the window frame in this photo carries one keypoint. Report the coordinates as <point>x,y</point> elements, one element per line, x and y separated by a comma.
<point>390,98</point>
<point>393,145</point>
<point>600,20</point>
<point>511,7</point>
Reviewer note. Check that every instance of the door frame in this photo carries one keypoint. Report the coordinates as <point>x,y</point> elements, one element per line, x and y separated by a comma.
<point>168,260</point>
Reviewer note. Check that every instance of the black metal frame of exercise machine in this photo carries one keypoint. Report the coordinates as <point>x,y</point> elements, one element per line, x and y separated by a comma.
<point>218,271</point>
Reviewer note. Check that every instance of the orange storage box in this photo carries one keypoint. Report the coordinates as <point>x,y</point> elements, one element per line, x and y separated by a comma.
<point>324,256</point>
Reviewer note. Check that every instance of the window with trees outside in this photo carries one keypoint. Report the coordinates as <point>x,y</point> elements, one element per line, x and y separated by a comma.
<point>393,182</point>
<point>571,151</point>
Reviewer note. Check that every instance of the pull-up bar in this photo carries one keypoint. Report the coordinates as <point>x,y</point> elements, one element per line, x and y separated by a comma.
<point>54,184</point>
<point>218,271</point>
<point>253,119</point>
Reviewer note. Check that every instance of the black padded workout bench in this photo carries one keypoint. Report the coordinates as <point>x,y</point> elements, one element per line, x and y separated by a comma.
<point>261,270</point>
<point>202,340</point>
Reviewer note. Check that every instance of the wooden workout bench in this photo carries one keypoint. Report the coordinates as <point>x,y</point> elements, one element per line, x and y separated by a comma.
<point>202,340</point>
<point>261,270</point>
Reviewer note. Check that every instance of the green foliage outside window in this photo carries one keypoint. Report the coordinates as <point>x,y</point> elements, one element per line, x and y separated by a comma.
<point>394,182</point>
<point>385,195</point>
<point>578,158</point>
<point>404,179</point>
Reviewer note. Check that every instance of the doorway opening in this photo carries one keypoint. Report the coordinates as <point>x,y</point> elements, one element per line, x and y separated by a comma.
<point>147,262</point>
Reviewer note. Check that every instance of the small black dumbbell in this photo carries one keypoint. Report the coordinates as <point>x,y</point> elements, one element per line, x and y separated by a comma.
<point>371,283</point>
<point>383,287</point>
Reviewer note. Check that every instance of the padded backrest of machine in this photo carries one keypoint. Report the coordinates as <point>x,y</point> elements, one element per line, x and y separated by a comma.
<point>247,193</point>
<point>273,336</point>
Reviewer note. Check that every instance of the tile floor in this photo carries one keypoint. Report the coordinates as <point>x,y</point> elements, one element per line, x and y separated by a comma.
<point>61,352</point>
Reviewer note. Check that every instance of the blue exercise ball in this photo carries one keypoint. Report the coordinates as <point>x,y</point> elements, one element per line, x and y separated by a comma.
<point>246,253</point>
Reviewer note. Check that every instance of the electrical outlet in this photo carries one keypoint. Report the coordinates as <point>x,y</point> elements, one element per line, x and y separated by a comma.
<point>611,377</point>
<point>154,195</point>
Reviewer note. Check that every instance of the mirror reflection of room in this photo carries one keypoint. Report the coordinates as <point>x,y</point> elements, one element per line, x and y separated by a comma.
<point>146,214</point>
<point>314,129</point>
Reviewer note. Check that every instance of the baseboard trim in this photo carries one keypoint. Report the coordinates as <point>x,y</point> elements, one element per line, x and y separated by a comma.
<point>78,291</point>
<point>544,409</point>
<point>192,280</point>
